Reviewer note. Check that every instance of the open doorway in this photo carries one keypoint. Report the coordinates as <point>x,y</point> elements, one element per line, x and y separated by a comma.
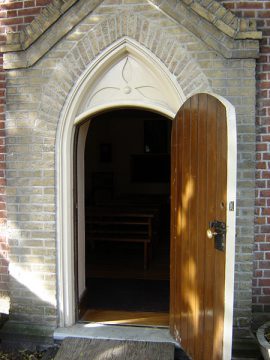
<point>127,219</point>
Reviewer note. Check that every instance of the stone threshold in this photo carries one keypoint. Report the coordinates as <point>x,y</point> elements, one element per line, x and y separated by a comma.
<point>115,332</point>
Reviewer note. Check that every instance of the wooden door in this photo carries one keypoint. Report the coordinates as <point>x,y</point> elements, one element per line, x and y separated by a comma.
<point>198,193</point>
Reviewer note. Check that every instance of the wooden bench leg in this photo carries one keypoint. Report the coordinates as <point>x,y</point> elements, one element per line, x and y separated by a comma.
<point>145,263</point>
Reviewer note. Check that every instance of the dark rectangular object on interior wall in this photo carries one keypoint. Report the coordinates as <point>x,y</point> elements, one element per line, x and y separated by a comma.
<point>156,136</point>
<point>150,168</point>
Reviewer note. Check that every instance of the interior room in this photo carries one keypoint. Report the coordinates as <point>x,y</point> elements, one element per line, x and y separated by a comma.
<point>127,217</point>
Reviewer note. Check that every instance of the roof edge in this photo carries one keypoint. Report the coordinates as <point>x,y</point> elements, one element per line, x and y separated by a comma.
<point>18,41</point>
<point>210,10</point>
<point>225,20</point>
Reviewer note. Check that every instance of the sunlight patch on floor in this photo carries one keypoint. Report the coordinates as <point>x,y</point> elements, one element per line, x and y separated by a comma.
<point>127,317</point>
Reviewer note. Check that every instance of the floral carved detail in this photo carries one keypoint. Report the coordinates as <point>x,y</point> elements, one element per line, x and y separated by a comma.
<point>126,80</point>
<point>127,71</point>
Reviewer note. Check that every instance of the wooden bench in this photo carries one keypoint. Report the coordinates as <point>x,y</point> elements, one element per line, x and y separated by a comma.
<point>120,224</point>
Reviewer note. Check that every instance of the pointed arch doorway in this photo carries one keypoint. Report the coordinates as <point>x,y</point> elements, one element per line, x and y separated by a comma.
<point>127,221</point>
<point>79,108</point>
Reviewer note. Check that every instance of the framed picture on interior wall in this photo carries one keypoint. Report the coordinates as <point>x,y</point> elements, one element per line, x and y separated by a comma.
<point>105,153</point>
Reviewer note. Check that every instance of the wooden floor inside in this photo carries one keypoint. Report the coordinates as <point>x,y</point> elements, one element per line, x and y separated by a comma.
<point>119,317</point>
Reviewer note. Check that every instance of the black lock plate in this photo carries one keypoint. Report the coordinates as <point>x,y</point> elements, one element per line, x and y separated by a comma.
<point>219,234</point>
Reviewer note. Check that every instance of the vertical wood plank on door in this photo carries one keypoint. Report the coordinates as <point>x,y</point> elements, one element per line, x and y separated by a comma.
<point>211,174</point>
<point>183,230</point>
<point>194,275</point>
<point>202,220</point>
<point>173,222</point>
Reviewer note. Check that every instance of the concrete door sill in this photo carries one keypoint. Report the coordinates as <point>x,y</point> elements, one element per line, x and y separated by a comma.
<point>115,332</point>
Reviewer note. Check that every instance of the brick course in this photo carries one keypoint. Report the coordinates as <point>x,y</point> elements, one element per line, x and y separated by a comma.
<point>15,15</point>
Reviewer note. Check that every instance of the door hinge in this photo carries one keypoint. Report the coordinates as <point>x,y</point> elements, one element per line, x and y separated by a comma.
<point>231,206</point>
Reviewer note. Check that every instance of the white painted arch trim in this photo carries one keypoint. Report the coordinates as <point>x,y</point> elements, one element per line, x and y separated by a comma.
<point>231,216</point>
<point>73,114</point>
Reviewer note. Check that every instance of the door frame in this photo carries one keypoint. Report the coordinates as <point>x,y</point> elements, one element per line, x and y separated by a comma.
<point>70,119</point>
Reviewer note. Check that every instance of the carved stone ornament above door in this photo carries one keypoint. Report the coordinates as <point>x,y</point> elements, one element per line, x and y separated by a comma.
<point>128,80</point>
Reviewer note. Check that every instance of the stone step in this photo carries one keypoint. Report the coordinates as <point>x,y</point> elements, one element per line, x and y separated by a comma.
<point>79,348</point>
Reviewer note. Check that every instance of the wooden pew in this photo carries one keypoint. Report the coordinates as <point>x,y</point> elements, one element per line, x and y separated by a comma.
<point>122,224</point>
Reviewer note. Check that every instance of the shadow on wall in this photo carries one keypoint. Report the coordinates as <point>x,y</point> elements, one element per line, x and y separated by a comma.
<point>32,299</point>
<point>33,295</point>
<point>33,313</point>
<point>4,292</point>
